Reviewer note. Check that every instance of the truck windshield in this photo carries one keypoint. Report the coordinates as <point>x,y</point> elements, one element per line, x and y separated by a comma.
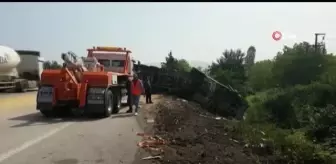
<point>104,62</point>
<point>118,63</point>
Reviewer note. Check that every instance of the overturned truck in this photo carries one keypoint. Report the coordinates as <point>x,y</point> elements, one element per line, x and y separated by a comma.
<point>217,98</point>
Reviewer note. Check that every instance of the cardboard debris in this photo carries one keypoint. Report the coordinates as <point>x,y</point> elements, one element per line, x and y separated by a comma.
<point>149,141</point>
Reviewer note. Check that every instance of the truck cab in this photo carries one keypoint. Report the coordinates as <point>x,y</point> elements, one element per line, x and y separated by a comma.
<point>114,59</point>
<point>119,62</point>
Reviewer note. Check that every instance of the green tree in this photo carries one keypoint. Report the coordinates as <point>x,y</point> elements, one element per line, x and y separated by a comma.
<point>229,69</point>
<point>174,64</point>
<point>231,60</point>
<point>298,65</point>
<point>329,74</point>
<point>183,65</point>
<point>171,62</point>
<point>51,65</point>
<point>260,75</point>
<point>250,56</point>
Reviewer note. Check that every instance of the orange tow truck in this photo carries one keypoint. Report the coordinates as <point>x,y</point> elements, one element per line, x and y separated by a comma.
<point>95,84</point>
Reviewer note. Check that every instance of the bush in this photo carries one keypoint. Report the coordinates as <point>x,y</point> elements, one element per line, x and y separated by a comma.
<point>291,107</point>
<point>285,145</point>
<point>299,149</point>
<point>322,127</point>
<point>299,122</point>
<point>257,113</point>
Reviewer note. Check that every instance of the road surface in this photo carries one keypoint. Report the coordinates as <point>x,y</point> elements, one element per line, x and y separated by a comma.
<point>28,138</point>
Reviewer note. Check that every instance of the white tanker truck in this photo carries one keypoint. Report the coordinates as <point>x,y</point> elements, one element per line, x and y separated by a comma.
<point>20,70</point>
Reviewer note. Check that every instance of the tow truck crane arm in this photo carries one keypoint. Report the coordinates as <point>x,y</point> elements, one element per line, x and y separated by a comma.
<point>74,66</point>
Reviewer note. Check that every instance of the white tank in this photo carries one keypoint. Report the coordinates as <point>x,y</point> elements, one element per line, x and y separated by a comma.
<point>9,59</point>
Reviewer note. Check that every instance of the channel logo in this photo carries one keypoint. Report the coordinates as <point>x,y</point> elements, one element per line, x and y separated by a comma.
<point>278,35</point>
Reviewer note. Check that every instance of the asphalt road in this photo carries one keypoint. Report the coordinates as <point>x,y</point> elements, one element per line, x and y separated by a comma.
<point>29,138</point>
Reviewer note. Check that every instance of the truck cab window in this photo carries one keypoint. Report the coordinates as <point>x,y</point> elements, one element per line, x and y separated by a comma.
<point>118,63</point>
<point>104,62</point>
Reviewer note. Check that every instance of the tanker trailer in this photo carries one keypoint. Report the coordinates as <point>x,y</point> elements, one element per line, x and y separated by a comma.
<point>19,70</point>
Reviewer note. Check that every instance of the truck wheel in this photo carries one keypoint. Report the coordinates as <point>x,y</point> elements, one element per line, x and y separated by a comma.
<point>20,86</point>
<point>117,104</point>
<point>47,113</point>
<point>108,106</point>
<point>63,112</point>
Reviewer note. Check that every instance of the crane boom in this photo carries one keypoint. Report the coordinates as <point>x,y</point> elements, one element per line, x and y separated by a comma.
<point>76,65</point>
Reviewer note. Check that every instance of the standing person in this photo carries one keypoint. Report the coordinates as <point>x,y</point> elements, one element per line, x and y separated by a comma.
<point>129,96</point>
<point>136,89</point>
<point>148,90</point>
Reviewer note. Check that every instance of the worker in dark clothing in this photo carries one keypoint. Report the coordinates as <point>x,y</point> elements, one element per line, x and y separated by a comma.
<point>129,96</point>
<point>148,90</point>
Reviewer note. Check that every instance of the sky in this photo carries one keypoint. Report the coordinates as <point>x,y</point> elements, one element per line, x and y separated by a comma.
<point>193,31</point>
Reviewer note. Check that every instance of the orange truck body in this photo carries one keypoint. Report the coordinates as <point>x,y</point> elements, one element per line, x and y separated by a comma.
<point>68,91</point>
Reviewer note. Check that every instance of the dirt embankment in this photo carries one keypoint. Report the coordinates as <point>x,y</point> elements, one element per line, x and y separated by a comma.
<point>183,133</point>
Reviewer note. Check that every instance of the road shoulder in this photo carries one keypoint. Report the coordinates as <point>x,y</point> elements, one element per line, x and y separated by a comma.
<point>146,119</point>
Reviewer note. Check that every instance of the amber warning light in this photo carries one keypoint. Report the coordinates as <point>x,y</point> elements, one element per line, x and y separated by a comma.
<point>111,48</point>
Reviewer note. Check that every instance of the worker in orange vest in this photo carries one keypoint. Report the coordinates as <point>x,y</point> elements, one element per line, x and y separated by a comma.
<point>137,90</point>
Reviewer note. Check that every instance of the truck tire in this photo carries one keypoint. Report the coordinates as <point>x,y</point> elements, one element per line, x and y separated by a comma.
<point>116,104</point>
<point>108,104</point>
<point>21,86</point>
<point>57,112</point>
<point>48,113</point>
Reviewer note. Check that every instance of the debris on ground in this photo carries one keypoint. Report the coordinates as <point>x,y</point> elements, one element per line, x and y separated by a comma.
<point>152,157</point>
<point>150,141</point>
<point>184,133</point>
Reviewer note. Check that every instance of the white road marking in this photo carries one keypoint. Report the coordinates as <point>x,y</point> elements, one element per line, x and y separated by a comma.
<point>29,143</point>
